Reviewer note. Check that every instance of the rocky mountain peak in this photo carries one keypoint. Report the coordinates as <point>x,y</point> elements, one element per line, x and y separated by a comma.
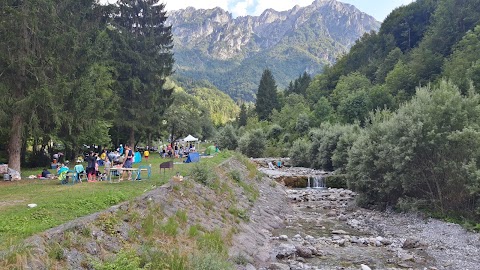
<point>317,34</point>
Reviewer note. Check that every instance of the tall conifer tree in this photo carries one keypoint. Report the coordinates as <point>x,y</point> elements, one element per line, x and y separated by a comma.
<point>144,59</point>
<point>243,117</point>
<point>267,98</point>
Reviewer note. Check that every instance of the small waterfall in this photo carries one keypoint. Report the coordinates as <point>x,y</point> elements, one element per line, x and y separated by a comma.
<point>318,182</point>
<point>308,184</point>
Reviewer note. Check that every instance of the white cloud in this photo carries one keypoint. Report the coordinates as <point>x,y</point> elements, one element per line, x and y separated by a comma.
<point>203,4</point>
<point>279,5</point>
<point>241,7</point>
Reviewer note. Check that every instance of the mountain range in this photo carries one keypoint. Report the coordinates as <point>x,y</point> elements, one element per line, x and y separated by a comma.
<point>231,53</point>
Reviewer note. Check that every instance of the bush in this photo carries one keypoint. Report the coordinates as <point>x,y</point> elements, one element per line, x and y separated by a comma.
<point>252,144</point>
<point>227,138</point>
<point>336,181</point>
<point>299,153</point>
<point>201,174</point>
<point>210,261</point>
<point>427,151</point>
<point>324,144</point>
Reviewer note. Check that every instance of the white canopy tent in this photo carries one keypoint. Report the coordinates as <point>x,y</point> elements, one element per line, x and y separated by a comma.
<point>190,138</point>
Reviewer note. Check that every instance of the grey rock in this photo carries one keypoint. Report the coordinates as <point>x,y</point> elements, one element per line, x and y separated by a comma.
<point>278,266</point>
<point>304,252</point>
<point>410,243</point>
<point>285,251</point>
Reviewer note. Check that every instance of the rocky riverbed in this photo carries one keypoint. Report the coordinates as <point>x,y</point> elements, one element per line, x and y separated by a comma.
<point>323,229</point>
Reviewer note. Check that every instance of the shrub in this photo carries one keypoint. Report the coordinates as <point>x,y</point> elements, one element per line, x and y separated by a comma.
<point>336,181</point>
<point>299,153</point>
<point>227,138</point>
<point>252,144</point>
<point>200,174</point>
<point>428,150</point>
<point>324,143</point>
<point>210,261</point>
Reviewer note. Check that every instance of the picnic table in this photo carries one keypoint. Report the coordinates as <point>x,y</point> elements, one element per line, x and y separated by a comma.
<point>135,173</point>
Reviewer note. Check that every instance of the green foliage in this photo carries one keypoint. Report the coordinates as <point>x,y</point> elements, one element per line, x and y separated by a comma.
<point>243,116</point>
<point>293,117</point>
<point>210,261</point>
<point>252,144</point>
<point>212,242</point>
<point>201,174</point>
<point>267,99</point>
<point>124,260</point>
<point>221,107</point>
<point>427,150</point>
<point>299,86</point>
<point>336,181</point>
<point>462,66</point>
<point>237,212</point>
<point>227,138</point>
<point>142,51</point>
<point>170,227</point>
<point>236,176</point>
<point>324,142</point>
<point>300,153</point>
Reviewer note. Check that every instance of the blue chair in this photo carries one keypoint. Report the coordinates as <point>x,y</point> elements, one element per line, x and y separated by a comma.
<point>65,175</point>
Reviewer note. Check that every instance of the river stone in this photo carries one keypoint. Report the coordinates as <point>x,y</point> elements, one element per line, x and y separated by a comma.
<point>250,267</point>
<point>341,242</point>
<point>406,257</point>
<point>285,250</point>
<point>283,237</point>
<point>304,252</point>
<point>332,213</point>
<point>297,238</point>
<point>339,232</point>
<point>413,243</point>
<point>278,266</point>
<point>365,267</point>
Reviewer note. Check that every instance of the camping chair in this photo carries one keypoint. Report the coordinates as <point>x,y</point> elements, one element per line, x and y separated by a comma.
<point>79,173</point>
<point>65,175</point>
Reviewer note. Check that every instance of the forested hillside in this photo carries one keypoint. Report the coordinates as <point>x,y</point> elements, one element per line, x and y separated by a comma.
<point>232,52</point>
<point>396,118</point>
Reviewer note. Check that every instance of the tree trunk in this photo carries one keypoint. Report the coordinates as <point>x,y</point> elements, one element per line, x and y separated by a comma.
<point>132,138</point>
<point>15,143</point>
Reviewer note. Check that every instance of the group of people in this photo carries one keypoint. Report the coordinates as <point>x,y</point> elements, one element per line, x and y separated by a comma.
<point>121,157</point>
<point>177,151</point>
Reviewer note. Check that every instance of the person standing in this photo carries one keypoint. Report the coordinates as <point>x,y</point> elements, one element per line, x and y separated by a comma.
<point>120,150</point>
<point>146,153</point>
<point>91,173</point>
<point>128,161</point>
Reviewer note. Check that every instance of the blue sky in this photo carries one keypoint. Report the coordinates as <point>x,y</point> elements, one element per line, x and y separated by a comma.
<point>377,8</point>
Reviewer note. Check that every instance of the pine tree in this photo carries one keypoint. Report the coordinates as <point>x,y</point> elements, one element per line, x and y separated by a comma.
<point>144,59</point>
<point>243,117</point>
<point>33,70</point>
<point>267,97</point>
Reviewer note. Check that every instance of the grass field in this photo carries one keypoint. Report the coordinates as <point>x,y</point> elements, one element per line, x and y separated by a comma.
<point>58,204</point>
